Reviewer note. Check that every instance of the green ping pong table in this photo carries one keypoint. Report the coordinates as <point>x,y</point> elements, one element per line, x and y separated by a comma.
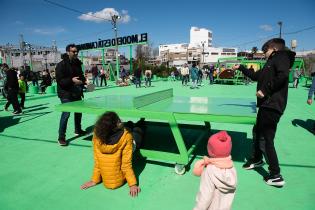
<point>163,106</point>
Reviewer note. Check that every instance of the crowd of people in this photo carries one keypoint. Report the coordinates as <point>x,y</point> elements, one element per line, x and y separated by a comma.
<point>16,84</point>
<point>115,142</point>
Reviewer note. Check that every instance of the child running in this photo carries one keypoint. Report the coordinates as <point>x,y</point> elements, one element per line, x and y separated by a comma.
<point>113,147</point>
<point>22,90</point>
<point>218,175</point>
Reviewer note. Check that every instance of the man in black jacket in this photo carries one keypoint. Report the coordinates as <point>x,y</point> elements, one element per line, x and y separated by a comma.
<point>272,94</point>
<point>70,79</point>
<point>11,86</point>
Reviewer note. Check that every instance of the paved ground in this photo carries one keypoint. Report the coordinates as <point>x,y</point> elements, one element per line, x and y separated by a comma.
<point>36,173</point>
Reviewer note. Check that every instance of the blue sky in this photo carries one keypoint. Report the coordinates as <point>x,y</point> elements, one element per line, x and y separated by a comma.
<point>233,23</point>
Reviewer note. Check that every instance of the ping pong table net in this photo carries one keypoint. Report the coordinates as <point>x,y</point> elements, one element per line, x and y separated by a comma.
<point>144,100</point>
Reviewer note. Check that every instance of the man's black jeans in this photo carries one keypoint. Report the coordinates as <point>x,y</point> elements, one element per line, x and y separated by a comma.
<point>265,129</point>
<point>12,97</point>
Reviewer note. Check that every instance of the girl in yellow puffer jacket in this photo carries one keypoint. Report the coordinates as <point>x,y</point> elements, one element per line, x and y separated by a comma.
<point>113,147</point>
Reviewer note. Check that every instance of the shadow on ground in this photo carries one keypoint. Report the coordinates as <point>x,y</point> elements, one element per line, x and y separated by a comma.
<point>308,124</point>
<point>159,137</point>
<point>8,121</point>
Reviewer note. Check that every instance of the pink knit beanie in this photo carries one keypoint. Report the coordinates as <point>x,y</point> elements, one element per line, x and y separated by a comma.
<point>219,145</point>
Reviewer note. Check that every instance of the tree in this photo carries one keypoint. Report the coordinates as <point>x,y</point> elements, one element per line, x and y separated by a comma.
<point>139,53</point>
<point>254,50</point>
<point>155,52</point>
<point>309,61</point>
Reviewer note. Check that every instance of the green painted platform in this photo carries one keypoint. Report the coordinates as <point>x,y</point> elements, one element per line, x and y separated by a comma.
<point>36,173</point>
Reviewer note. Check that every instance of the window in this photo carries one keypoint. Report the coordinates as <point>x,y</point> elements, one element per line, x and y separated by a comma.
<point>228,50</point>
<point>214,53</point>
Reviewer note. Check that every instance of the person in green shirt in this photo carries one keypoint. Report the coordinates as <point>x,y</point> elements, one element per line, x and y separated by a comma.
<point>22,90</point>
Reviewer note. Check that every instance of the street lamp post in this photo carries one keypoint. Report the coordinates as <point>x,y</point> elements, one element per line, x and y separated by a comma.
<point>293,44</point>
<point>114,23</point>
<point>46,60</point>
<point>22,46</point>
<point>280,24</point>
<point>203,52</point>
<point>30,50</point>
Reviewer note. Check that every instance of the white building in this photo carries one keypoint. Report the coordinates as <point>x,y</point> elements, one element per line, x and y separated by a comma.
<point>201,36</point>
<point>198,50</point>
<point>304,53</point>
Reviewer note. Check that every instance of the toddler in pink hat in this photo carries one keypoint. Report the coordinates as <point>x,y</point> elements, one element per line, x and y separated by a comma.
<point>218,175</point>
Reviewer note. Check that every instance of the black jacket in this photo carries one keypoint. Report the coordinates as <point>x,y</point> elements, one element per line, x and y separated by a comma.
<point>273,80</point>
<point>11,80</point>
<point>65,71</point>
<point>138,73</point>
<point>46,80</point>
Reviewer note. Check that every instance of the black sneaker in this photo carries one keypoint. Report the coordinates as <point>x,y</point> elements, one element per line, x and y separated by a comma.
<point>251,164</point>
<point>17,112</point>
<point>80,133</point>
<point>62,142</point>
<point>274,180</point>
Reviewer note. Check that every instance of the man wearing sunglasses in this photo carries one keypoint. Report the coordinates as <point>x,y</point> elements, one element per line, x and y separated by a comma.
<point>272,94</point>
<point>70,80</point>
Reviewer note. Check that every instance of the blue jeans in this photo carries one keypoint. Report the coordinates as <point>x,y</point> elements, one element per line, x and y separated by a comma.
<point>185,80</point>
<point>147,81</point>
<point>138,82</point>
<point>64,120</point>
<point>95,80</point>
<point>211,78</point>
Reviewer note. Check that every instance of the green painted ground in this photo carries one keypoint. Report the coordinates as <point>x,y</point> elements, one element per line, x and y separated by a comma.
<point>36,173</point>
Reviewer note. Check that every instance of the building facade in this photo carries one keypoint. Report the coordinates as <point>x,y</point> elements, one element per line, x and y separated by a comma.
<point>198,50</point>
<point>201,36</point>
<point>36,57</point>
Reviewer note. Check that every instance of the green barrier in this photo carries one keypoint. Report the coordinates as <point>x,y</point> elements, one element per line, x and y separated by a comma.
<point>51,89</point>
<point>33,89</point>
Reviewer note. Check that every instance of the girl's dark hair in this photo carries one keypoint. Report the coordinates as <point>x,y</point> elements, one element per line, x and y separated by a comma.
<point>106,125</point>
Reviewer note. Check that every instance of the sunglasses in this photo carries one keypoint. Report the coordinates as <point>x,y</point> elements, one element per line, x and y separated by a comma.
<point>74,51</point>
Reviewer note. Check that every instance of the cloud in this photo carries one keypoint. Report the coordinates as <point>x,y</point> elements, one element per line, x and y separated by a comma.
<point>266,27</point>
<point>49,31</point>
<point>18,22</point>
<point>105,15</point>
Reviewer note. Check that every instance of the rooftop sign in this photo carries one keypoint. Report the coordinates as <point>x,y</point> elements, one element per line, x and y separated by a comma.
<point>125,40</point>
